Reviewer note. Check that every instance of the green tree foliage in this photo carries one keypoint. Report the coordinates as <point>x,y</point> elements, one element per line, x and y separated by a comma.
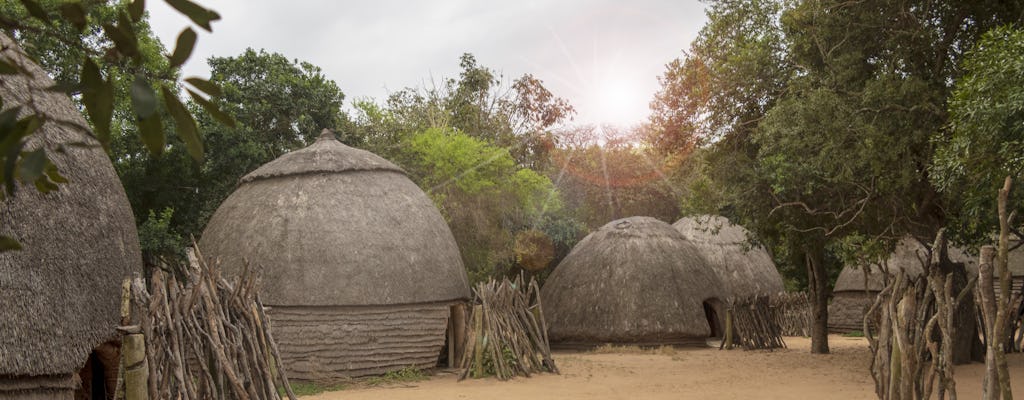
<point>517,116</point>
<point>820,116</point>
<point>481,148</point>
<point>278,103</point>
<point>485,196</point>
<point>105,56</point>
<point>986,143</point>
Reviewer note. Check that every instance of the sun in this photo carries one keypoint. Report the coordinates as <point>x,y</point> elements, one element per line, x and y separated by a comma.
<point>617,102</point>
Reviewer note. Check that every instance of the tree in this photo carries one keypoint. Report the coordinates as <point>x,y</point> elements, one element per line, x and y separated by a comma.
<point>834,144</point>
<point>613,174</point>
<point>101,54</point>
<point>485,197</point>
<point>986,140</point>
<point>279,104</point>
<point>517,115</point>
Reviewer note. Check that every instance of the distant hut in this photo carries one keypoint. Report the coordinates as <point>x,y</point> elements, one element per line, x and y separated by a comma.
<point>852,295</point>
<point>60,295</point>
<point>633,281</point>
<point>359,267</point>
<point>743,268</point>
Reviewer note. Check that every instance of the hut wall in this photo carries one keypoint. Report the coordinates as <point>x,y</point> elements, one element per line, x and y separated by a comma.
<point>846,313</point>
<point>47,387</point>
<point>326,344</point>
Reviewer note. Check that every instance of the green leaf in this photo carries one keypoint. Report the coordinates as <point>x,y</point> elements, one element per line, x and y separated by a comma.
<point>98,99</point>
<point>45,186</point>
<point>211,108</point>
<point>7,68</point>
<point>184,124</point>
<point>136,9</point>
<point>152,133</point>
<point>206,86</point>
<point>31,165</point>
<point>183,49</point>
<point>8,243</point>
<point>35,10</point>
<point>123,36</point>
<point>11,165</point>
<point>201,16</point>
<point>54,174</point>
<point>143,97</point>
<point>74,13</point>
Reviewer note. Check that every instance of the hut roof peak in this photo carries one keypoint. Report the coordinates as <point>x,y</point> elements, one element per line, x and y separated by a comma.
<point>327,134</point>
<point>326,155</point>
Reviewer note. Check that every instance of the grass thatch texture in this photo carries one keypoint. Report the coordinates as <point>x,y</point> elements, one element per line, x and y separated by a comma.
<point>744,268</point>
<point>60,292</point>
<point>336,226</point>
<point>634,280</point>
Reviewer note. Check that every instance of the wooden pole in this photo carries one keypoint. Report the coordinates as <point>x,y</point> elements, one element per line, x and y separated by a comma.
<point>459,332</point>
<point>728,328</point>
<point>136,371</point>
<point>478,350</point>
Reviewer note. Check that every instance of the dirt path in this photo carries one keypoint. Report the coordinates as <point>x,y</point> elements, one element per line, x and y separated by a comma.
<point>684,374</point>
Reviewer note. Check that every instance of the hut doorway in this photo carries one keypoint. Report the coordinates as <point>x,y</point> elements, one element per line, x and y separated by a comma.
<point>711,314</point>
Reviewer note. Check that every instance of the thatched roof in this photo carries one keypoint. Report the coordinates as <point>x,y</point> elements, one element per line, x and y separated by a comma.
<point>744,269</point>
<point>909,255</point>
<point>633,280</point>
<point>60,295</point>
<point>334,225</point>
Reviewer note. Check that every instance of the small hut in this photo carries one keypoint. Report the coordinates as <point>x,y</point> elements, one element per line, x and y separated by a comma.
<point>60,295</point>
<point>633,281</point>
<point>744,269</point>
<point>359,268</point>
<point>854,292</point>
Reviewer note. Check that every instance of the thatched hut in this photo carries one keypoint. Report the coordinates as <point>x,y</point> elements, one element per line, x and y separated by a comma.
<point>60,295</point>
<point>635,280</point>
<point>854,293</point>
<point>744,269</point>
<point>359,267</point>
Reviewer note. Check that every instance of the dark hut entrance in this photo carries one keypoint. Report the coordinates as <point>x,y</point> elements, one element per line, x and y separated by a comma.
<point>714,322</point>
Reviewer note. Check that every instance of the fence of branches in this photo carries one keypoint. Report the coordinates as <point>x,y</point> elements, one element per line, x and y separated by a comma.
<point>203,337</point>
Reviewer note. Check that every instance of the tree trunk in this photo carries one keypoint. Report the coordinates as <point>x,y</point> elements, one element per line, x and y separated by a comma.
<point>817,282</point>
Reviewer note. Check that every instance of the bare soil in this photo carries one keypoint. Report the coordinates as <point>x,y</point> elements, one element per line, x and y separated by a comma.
<point>666,373</point>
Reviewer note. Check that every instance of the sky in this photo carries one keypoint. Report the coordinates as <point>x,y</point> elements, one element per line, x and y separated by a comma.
<point>603,56</point>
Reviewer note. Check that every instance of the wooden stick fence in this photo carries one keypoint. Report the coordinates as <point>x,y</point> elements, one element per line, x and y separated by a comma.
<point>204,339</point>
<point>793,313</point>
<point>755,323</point>
<point>508,335</point>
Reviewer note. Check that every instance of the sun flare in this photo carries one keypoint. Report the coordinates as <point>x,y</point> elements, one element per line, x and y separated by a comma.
<point>616,102</point>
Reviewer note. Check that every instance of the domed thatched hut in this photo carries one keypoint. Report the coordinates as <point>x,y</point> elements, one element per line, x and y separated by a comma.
<point>60,295</point>
<point>743,269</point>
<point>635,280</point>
<point>852,296</point>
<point>359,267</point>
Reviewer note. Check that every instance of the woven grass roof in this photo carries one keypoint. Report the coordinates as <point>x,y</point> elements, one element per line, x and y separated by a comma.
<point>635,279</point>
<point>333,225</point>
<point>743,268</point>
<point>61,294</point>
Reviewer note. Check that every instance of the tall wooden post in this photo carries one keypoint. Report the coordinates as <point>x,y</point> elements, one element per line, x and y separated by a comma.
<point>457,337</point>
<point>136,370</point>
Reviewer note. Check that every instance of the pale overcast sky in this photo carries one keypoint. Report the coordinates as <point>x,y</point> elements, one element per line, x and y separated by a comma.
<point>603,56</point>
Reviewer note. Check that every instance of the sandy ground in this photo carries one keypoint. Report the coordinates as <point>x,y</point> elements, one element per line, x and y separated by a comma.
<point>791,373</point>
